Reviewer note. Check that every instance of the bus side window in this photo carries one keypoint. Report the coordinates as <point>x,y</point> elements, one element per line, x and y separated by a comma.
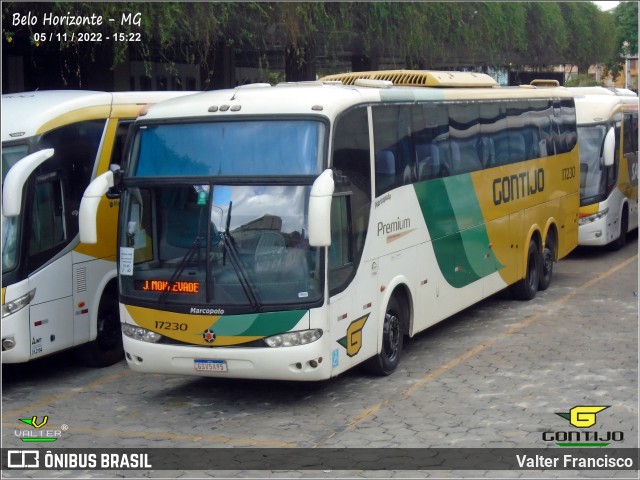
<point>117,153</point>
<point>612,170</point>
<point>48,222</point>
<point>430,127</point>
<point>517,120</point>
<point>341,264</point>
<point>76,150</point>
<point>351,150</point>
<point>351,204</point>
<point>464,129</point>
<point>493,119</point>
<point>630,133</point>
<point>540,120</point>
<point>395,159</point>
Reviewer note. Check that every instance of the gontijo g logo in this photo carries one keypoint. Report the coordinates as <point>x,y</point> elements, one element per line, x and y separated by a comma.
<point>583,416</point>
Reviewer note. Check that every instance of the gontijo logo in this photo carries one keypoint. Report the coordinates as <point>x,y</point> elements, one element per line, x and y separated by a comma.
<point>583,416</point>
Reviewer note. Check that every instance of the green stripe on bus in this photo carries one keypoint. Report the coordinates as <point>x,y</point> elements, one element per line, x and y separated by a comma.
<point>454,219</point>
<point>261,324</point>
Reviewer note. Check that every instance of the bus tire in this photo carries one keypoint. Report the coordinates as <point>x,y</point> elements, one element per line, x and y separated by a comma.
<point>621,241</point>
<point>527,288</point>
<point>546,267</point>
<point>385,362</point>
<point>107,348</point>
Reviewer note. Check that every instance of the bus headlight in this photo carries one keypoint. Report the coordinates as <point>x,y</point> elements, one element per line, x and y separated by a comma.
<point>292,339</point>
<point>594,217</point>
<point>17,304</point>
<point>139,333</point>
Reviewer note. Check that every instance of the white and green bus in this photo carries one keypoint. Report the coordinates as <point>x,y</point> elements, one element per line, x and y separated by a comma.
<point>56,292</point>
<point>608,140</point>
<point>295,231</point>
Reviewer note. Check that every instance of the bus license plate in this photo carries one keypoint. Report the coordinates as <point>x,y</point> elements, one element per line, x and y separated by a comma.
<point>210,365</point>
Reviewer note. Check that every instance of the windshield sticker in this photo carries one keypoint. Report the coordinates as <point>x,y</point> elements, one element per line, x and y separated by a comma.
<point>126,261</point>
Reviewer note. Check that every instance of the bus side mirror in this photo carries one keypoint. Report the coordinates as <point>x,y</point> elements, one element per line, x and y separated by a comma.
<point>16,177</point>
<point>320,210</point>
<point>609,147</point>
<point>114,192</point>
<point>89,206</point>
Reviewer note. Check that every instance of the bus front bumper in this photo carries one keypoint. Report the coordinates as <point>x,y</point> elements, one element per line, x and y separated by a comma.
<point>16,338</point>
<point>300,363</point>
<point>596,232</point>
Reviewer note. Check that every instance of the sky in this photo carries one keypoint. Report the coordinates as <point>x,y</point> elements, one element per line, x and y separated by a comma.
<point>606,5</point>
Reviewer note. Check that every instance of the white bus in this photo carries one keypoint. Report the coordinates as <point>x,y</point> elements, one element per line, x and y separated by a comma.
<point>608,140</point>
<point>56,292</point>
<point>293,232</point>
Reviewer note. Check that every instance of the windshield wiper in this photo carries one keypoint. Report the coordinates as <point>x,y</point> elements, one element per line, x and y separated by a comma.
<point>188,256</point>
<point>180,267</point>
<point>230,247</point>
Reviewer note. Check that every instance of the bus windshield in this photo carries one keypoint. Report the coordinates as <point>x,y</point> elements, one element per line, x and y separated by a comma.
<point>10,156</point>
<point>592,172</point>
<point>238,148</point>
<point>242,246</point>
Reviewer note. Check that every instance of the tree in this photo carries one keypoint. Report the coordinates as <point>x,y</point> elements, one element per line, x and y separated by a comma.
<point>626,36</point>
<point>587,27</point>
<point>299,36</point>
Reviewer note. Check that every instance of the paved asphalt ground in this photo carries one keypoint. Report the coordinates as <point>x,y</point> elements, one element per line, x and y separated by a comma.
<point>493,376</point>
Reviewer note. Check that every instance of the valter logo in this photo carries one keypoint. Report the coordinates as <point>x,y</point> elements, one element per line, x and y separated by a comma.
<point>38,433</point>
<point>583,417</point>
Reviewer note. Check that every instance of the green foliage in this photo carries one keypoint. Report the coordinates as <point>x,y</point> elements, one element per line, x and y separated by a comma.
<point>401,34</point>
<point>589,34</point>
<point>625,36</point>
<point>626,15</point>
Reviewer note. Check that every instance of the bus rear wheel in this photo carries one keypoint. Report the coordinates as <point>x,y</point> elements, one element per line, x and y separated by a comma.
<point>527,288</point>
<point>385,362</point>
<point>548,257</point>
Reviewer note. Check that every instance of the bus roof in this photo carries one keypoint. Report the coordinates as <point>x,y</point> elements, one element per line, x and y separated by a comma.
<point>310,98</point>
<point>597,108</point>
<point>418,78</point>
<point>600,104</point>
<point>327,98</point>
<point>24,114</point>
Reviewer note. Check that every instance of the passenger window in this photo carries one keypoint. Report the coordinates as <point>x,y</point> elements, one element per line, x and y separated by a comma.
<point>493,118</point>
<point>540,120</point>
<point>394,158</point>
<point>464,129</point>
<point>351,150</point>
<point>431,131</point>
<point>517,121</point>
<point>564,125</point>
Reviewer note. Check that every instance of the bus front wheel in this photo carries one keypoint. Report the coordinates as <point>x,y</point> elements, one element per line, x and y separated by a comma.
<point>527,288</point>
<point>385,362</point>
<point>621,241</point>
<point>107,348</point>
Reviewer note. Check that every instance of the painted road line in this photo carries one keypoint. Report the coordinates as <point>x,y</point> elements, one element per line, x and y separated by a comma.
<point>432,375</point>
<point>46,402</point>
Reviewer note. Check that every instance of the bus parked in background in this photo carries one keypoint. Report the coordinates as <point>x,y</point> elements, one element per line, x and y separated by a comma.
<point>56,292</point>
<point>608,141</point>
<point>295,231</point>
